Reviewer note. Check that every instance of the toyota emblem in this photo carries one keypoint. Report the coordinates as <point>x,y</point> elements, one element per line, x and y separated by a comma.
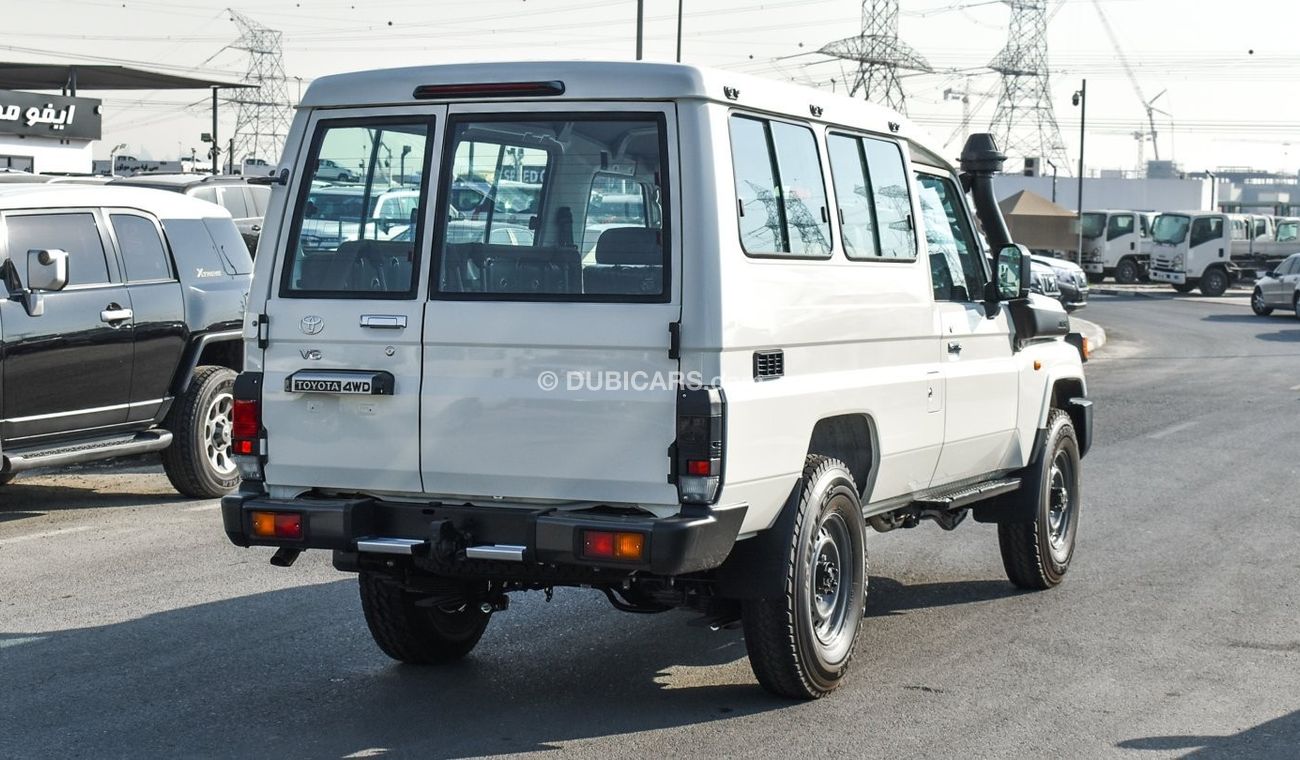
<point>312,324</point>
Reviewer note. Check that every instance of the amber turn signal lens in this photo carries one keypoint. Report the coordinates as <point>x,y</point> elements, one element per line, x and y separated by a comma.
<point>286,525</point>
<point>264,524</point>
<point>628,545</point>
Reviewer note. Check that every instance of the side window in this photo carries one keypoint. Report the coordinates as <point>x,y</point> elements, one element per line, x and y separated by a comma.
<point>233,199</point>
<point>143,252</point>
<point>208,194</point>
<point>955,266</point>
<point>614,201</point>
<point>337,246</point>
<point>1120,225</point>
<point>260,196</point>
<point>780,191</point>
<point>1205,229</point>
<point>76,233</point>
<point>1144,225</point>
<point>874,203</point>
<point>1292,265</point>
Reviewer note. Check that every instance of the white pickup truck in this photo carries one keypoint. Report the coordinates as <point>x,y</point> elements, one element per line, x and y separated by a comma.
<point>800,336</point>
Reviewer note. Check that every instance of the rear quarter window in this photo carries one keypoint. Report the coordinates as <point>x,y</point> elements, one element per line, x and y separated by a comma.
<point>196,253</point>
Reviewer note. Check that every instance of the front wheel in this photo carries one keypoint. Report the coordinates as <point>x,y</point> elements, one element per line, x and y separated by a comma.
<point>198,462</point>
<point>1215,282</point>
<point>800,644</point>
<point>1184,287</point>
<point>1037,554</point>
<point>1095,278</point>
<point>410,631</point>
<point>1127,272</point>
<point>1257,304</point>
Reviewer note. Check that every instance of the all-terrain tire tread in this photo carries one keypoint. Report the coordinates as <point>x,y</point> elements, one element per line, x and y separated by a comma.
<point>181,460</point>
<point>397,626</point>
<point>1022,552</point>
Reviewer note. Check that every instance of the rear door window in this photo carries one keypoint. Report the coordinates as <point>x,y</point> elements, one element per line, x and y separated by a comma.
<point>521,223</point>
<point>340,245</point>
<point>208,194</point>
<point>233,200</point>
<point>780,191</point>
<point>143,253</point>
<point>259,196</point>
<point>74,232</point>
<point>875,208</point>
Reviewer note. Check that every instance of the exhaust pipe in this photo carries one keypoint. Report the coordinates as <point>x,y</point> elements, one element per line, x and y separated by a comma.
<point>980,160</point>
<point>285,557</point>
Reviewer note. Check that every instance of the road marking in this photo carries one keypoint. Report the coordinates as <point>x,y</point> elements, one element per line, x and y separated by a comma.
<point>1171,430</point>
<point>204,508</point>
<point>46,534</point>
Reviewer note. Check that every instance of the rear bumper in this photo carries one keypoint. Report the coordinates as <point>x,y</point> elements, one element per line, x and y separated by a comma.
<point>698,538</point>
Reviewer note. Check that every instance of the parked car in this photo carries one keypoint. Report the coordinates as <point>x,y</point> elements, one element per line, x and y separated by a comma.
<point>1279,289</point>
<point>708,415</point>
<point>333,214</point>
<point>246,203</point>
<point>121,330</point>
<point>1071,281</point>
<point>334,172</point>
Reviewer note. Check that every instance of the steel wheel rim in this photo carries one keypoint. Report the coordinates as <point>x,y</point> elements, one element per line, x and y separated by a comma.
<point>1257,301</point>
<point>831,583</point>
<point>1060,506</point>
<point>216,434</point>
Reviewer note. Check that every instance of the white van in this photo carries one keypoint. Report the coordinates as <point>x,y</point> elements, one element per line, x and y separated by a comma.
<point>796,334</point>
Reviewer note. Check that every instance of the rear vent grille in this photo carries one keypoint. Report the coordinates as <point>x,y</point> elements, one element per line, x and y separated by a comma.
<point>769,365</point>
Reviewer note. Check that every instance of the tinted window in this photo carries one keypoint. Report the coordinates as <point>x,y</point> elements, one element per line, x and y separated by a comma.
<point>233,199</point>
<point>143,253</point>
<point>78,234</point>
<point>208,194</point>
<point>337,246</point>
<point>1205,229</point>
<point>955,266</point>
<point>230,243</point>
<point>196,254</point>
<point>520,222</point>
<point>873,197</point>
<point>1120,225</point>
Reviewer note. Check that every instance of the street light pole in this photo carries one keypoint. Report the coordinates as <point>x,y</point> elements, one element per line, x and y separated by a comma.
<point>1049,163</point>
<point>1081,100</point>
<point>640,26</point>
<point>216,150</point>
<point>679,30</point>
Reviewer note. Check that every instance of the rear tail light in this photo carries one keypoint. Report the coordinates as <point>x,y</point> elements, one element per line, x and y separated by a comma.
<point>247,439</point>
<point>616,545</point>
<point>698,451</point>
<point>277,525</point>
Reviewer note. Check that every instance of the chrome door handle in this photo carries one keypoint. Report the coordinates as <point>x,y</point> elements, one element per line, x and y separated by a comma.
<point>384,321</point>
<point>954,348</point>
<point>115,313</point>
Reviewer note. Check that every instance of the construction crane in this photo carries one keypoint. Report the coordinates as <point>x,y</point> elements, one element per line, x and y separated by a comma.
<point>1149,105</point>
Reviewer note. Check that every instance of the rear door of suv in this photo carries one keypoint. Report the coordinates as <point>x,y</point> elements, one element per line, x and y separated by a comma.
<point>548,371</point>
<point>342,361</point>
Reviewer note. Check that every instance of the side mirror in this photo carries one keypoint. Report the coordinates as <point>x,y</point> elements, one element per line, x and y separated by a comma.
<point>1013,273</point>
<point>47,269</point>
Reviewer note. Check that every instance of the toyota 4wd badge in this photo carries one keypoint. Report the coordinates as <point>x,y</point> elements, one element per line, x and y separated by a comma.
<point>311,324</point>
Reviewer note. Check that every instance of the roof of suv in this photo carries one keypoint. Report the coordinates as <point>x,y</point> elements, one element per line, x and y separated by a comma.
<point>178,182</point>
<point>614,81</point>
<point>169,205</point>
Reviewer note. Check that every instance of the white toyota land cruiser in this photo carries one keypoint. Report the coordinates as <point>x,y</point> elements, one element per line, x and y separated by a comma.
<point>735,324</point>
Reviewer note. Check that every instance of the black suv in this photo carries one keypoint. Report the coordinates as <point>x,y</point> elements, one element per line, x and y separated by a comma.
<point>245,202</point>
<point>121,331</point>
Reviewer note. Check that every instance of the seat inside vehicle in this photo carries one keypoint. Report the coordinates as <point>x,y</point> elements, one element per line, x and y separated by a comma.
<point>381,266</point>
<point>629,261</point>
<point>490,268</point>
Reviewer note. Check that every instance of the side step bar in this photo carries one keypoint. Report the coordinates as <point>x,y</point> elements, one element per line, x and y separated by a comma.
<point>967,496</point>
<point>140,443</point>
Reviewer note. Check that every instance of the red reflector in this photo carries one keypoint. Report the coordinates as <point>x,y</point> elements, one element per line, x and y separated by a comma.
<point>487,89</point>
<point>597,544</point>
<point>288,526</point>
<point>244,446</point>
<point>247,421</point>
<point>698,467</point>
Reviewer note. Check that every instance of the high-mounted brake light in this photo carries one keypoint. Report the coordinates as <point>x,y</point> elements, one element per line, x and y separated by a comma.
<point>488,90</point>
<point>698,450</point>
<point>246,438</point>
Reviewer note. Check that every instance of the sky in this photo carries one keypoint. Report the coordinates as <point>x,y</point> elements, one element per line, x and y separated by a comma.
<point>1229,73</point>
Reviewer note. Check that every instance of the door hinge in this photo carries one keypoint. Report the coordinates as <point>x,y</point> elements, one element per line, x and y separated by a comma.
<point>263,331</point>
<point>674,340</point>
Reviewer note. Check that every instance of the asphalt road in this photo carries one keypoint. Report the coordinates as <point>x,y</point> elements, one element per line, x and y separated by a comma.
<point>130,628</point>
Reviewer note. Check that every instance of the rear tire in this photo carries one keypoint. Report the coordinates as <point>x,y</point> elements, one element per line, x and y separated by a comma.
<point>1184,287</point>
<point>414,634</point>
<point>1215,282</point>
<point>1127,272</point>
<point>1257,304</point>
<point>1036,555</point>
<point>801,643</point>
<point>199,462</point>
<point>1295,305</point>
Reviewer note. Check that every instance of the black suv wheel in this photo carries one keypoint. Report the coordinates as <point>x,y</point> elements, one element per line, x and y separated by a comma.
<point>198,462</point>
<point>1036,555</point>
<point>416,633</point>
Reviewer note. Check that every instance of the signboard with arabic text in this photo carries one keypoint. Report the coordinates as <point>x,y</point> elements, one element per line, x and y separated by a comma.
<point>31,113</point>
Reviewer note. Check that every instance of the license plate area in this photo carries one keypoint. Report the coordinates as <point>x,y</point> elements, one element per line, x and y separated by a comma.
<point>341,382</point>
